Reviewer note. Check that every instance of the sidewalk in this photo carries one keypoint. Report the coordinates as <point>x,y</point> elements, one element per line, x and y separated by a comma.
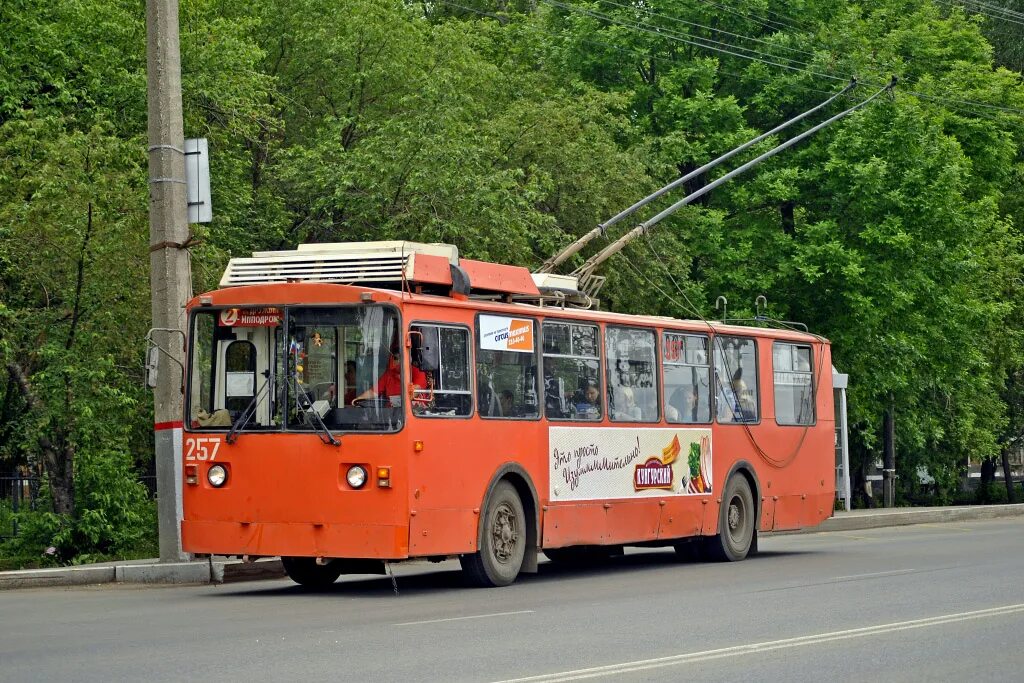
<point>206,570</point>
<point>881,517</point>
<point>224,570</point>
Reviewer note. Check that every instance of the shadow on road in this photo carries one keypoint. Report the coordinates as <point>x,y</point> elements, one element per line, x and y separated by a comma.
<point>443,578</point>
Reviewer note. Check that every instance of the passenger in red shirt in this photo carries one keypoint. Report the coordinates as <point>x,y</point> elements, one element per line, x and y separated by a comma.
<point>390,383</point>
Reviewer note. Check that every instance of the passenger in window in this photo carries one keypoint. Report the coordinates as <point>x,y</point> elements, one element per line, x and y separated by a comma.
<point>685,405</point>
<point>389,385</point>
<point>627,409</point>
<point>587,402</point>
<point>738,405</point>
<point>507,401</point>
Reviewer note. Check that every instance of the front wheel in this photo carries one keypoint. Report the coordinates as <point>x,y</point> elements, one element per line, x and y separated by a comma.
<point>502,542</point>
<point>308,574</point>
<point>736,522</point>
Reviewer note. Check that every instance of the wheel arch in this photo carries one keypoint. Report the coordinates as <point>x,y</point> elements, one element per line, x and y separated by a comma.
<point>520,479</point>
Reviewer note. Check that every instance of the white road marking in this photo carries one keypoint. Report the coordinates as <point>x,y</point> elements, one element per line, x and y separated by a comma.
<point>755,648</point>
<point>894,572</point>
<point>475,616</point>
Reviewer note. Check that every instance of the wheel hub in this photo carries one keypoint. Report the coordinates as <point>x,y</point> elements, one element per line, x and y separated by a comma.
<point>735,516</point>
<point>504,534</point>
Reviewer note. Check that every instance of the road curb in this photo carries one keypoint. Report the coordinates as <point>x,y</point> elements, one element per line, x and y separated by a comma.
<point>204,571</point>
<point>58,576</point>
<point>874,519</point>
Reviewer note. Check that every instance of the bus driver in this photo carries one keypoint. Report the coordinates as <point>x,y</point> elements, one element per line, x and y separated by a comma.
<point>389,385</point>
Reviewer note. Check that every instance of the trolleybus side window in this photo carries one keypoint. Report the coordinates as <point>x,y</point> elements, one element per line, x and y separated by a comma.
<point>632,374</point>
<point>201,378</point>
<point>572,377</point>
<point>736,379</point>
<point>442,353</point>
<point>506,367</point>
<point>687,373</point>
<point>794,392</point>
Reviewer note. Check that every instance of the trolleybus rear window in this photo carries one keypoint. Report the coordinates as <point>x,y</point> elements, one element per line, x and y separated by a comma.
<point>794,392</point>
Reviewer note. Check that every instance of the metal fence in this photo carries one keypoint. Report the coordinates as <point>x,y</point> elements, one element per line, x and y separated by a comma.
<point>17,493</point>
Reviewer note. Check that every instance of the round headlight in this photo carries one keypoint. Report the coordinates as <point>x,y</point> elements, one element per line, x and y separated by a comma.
<point>217,476</point>
<point>356,477</point>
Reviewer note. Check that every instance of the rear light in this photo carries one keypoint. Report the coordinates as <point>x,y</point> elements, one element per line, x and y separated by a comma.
<point>384,477</point>
<point>192,475</point>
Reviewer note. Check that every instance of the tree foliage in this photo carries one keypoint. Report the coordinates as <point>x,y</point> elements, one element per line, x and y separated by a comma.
<point>508,129</point>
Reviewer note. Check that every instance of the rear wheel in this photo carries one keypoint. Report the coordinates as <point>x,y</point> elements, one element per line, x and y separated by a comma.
<point>307,573</point>
<point>736,522</point>
<point>502,542</point>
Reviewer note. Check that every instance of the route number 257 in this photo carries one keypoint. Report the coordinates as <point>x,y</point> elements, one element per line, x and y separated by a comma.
<point>202,448</point>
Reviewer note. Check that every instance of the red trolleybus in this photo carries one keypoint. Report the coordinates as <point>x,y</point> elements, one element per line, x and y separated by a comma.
<point>350,405</point>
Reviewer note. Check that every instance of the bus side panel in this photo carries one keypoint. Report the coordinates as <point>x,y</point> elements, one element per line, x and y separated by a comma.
<point>452,472</point>
<point>633,520</point>
<point>443,531</point>
<point>682,517</point>
<point>575,524</point>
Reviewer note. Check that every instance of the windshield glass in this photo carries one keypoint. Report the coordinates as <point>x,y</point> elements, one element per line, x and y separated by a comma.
<point>344,367</point>
<point>231,369</point>
<point>331,369</point>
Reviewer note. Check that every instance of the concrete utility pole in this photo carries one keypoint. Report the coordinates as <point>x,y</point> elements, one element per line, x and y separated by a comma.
<point>168,261</point>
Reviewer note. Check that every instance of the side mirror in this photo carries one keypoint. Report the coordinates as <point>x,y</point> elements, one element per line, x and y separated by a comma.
<point>152,363</point>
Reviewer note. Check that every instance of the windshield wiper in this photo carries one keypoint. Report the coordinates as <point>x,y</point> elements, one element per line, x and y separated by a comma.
<point>249,411</point>
<point>305,404</point>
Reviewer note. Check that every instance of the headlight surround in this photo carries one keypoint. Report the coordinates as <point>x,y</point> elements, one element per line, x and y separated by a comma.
<point>356,476</point>
<point>217,476</point>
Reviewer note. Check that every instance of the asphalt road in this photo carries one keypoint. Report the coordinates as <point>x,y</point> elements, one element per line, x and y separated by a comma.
<point>928,602</point>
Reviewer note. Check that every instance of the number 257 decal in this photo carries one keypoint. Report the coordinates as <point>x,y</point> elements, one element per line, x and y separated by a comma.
<point>201,448</point>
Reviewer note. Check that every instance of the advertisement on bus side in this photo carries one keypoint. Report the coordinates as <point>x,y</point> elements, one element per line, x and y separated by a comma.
<point>498,333</point>
<point>594,463</point>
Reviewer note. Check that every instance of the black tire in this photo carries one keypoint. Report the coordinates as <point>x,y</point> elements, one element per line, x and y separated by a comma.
<point>502,540</point>
<point>308,574</point>
<point>736,522</point>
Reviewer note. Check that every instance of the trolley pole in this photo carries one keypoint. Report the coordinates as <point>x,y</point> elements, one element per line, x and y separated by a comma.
<point>168,261</point>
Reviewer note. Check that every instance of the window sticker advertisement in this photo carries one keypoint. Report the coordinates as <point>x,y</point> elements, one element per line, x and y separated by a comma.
<point>498,333</point>
<point>588,463</point>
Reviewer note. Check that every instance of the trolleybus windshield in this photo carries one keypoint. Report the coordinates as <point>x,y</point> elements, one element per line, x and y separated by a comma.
<point>296,369</point>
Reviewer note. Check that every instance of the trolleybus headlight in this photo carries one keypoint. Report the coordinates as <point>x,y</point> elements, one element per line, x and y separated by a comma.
<point>356,477</point>
<point>217,476</point>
